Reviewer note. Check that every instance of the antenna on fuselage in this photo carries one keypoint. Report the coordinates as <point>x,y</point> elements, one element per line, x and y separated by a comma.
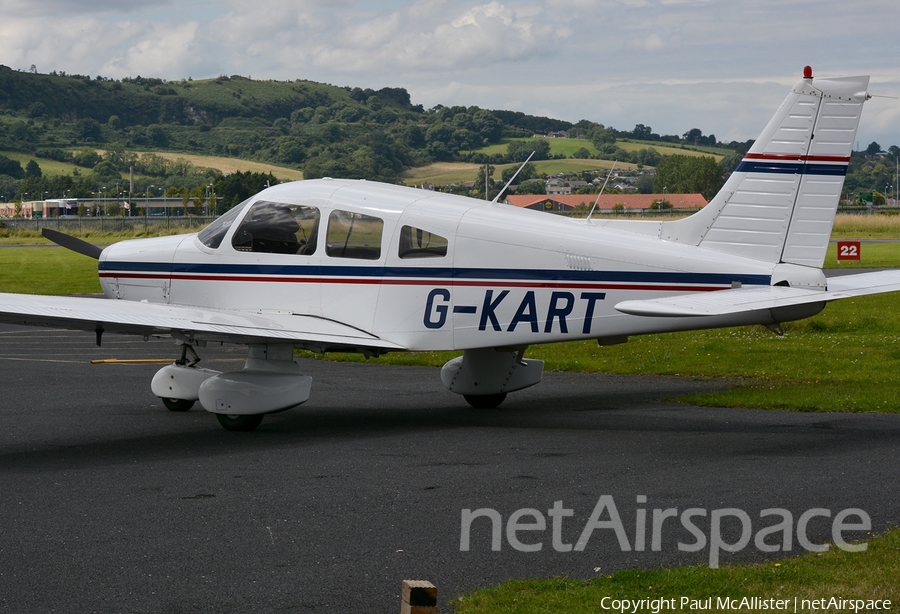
<point>608,175</point>
<point>511,179</point>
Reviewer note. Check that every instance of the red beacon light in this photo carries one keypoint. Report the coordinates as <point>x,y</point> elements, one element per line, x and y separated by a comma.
<point>807,72</point>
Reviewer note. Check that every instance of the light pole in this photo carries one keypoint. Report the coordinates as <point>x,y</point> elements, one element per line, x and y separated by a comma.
<point>147,205</point>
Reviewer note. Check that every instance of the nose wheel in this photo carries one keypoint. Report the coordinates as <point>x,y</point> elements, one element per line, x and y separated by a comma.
<point>177,404</point>
<point>239,423</point>
<point>172,383</point>
<point>269,382</point>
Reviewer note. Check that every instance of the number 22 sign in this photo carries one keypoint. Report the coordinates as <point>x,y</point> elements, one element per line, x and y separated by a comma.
<point>848,250</point>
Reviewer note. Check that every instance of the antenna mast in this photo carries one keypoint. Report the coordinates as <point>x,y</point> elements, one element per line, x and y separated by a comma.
<point>608,175</point>
<point>511,179</point>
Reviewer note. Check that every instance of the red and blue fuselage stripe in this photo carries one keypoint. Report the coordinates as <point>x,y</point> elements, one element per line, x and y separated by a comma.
<point>420,276</point>
<point>793,164</point>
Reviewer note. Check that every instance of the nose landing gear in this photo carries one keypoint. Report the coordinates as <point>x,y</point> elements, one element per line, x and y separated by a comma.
<point>269,382</point>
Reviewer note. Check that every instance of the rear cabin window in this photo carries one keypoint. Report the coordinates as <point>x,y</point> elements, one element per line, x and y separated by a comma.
<point>418,243</point>
<point>354,235</point>
<point>277,228</point>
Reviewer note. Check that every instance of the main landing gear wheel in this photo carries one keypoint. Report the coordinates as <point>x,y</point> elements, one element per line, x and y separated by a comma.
<point>485,401</point>
<point>177,404</point>
<point>239,423</point>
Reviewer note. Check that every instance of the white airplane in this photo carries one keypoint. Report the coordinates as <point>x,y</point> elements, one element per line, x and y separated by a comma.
<point>345,265</point>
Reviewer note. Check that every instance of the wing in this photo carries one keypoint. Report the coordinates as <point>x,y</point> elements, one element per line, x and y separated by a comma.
<point>747,300</point>
<point>191,323</point>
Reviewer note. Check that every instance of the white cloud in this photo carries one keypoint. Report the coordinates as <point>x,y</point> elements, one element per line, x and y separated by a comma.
<point>158,49</point>
<point>424,36</point>
<point>670,64</point>
<point>652,43</point>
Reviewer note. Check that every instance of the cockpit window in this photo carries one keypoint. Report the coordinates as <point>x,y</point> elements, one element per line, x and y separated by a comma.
<point>212,235</point>
<point>278,228</point>
<point>418,243</point>
<point>354,235</point>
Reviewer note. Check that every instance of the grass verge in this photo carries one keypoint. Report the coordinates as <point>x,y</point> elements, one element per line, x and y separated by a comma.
<point>34,270</point>
<point>873,574</point>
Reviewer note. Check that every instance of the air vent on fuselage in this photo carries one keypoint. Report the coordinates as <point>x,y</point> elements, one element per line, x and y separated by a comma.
<point>578,263</point>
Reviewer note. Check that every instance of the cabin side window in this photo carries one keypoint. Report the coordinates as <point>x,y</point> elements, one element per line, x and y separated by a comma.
<point>418,243</point>
<point>278,228</point>
<point>354,235</point>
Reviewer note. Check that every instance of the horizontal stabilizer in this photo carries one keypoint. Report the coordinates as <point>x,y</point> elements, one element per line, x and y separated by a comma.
<point>202,323</point>
<point>746,300</point>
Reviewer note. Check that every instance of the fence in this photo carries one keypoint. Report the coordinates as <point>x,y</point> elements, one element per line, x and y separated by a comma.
<point>101,223</point>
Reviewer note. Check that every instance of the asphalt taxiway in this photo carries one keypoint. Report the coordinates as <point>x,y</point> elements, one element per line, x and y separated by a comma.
<point>110,503</point>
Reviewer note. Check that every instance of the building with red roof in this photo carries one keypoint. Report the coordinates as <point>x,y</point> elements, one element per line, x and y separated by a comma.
<point>563,203</point>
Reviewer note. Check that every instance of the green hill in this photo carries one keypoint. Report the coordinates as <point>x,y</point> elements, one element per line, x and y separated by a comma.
<point>314,127</point>
<point>177,135</point>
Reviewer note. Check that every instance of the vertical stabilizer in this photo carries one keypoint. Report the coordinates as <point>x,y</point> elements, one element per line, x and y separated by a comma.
<point>779,204</point>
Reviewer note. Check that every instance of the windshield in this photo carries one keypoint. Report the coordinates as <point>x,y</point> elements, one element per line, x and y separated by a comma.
<point>212,235</point>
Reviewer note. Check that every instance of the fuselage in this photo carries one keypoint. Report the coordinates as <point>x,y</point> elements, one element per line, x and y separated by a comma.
<point>423,269</point>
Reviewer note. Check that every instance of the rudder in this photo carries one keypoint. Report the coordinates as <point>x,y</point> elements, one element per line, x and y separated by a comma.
<point>780,202</point>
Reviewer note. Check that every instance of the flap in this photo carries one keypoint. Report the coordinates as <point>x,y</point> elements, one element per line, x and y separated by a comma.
<point>126,317</point>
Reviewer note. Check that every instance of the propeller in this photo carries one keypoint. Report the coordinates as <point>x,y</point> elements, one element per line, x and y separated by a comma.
<point>69,242</point>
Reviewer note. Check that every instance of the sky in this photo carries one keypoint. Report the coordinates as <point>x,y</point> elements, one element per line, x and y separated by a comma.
<point>720,66</point>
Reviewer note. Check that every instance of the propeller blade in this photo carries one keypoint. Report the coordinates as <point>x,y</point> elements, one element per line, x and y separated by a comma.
<point>72,243</point>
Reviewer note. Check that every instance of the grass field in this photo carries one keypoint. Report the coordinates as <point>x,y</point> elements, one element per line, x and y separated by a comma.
<point>33,237</point>
<point>884,225</point>
<point>37,270</point>
<point>226,165</point>
<point>670,150</point>
<point>49,167</point>
<point>568,147</point>
<point>233,165</point>
<point>443,173</point>
<point>844,359</point>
